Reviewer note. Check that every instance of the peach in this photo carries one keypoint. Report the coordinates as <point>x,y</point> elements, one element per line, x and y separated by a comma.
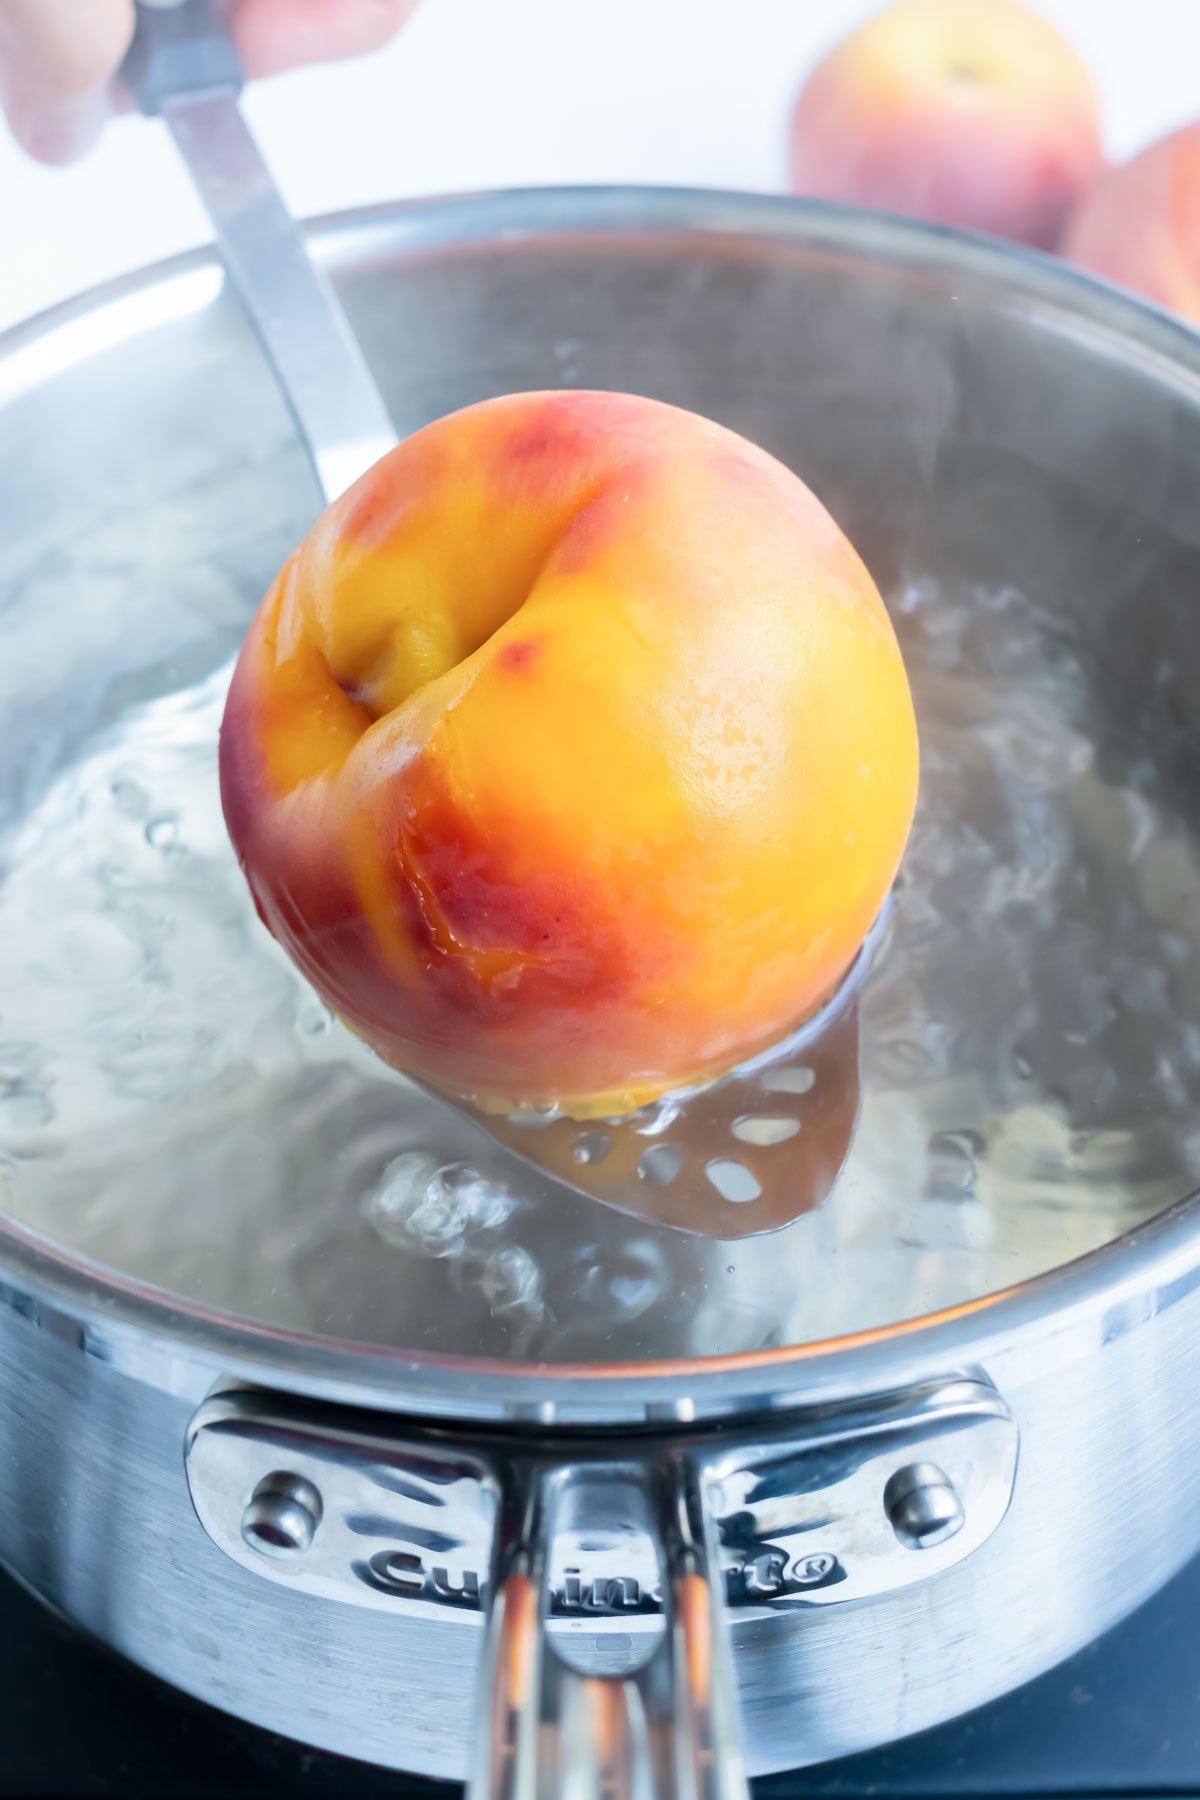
<point>1140,224</point>
<point>973,113</point>
<point>571,755</point>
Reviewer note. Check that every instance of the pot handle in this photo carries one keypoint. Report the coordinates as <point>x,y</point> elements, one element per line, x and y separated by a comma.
<point>662,1728</point>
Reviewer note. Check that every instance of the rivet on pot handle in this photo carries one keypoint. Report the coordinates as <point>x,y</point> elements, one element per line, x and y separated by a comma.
<point>606,1565</point>
<point>664,1728</point>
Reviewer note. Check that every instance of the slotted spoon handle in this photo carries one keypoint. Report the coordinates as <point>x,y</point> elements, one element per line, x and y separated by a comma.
<point>182,65</point>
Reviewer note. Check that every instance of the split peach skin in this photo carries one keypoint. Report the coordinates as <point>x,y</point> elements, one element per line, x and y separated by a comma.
<point>571,755</point>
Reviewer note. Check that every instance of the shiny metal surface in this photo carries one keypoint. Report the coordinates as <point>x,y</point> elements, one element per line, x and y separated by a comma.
<point>607,1567</point>
<point>342,420</point>
<point>660,1727</point>
<point>923,1506</point>
<point>961,408</point>
<point>282,1516</point>
<point>95,1514</point>
<point>323,375</point>
<point>1017,1084</point>
<point>803,1508</point>
<point>406,1524</point>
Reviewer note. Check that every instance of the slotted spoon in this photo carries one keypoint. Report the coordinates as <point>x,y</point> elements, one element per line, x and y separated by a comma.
<point>757,1148</point>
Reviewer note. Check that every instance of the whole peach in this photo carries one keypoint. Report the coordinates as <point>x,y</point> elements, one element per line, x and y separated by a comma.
<point>1140,224</point>
<point>973,113</point>
<point>571,755</point>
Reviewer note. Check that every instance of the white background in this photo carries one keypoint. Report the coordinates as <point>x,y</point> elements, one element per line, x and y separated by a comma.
<point>494,93</point>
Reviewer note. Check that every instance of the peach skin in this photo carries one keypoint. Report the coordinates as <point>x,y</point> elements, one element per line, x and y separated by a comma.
<point>571,755</point>
<point>1140,224</point>
<point>973,113</point>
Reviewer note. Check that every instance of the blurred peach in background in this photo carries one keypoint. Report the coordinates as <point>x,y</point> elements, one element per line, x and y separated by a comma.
<point>974,113</point>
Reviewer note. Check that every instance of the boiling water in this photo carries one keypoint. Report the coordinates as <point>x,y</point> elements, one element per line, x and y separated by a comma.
<point>176,1104</point>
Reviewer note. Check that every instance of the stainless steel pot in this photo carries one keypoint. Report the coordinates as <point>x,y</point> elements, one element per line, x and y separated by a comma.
<point>329,1522</point>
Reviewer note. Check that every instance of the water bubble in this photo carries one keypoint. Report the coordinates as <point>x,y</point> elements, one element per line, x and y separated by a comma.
<point>914,596</point>
<point>950,1165</point>
<point>659,1165</point>
<point>313,1020</point>
<point>655,1118</point>
<point>1171,1082</point>
<point>614,1283</point>
<point>129,797</point>
<point>487,1204</point>
<point>414,1208</point>
<point>592,1147</point>
<point>511,1281</point>
<point>435,1209</point>
<point>162,832</point>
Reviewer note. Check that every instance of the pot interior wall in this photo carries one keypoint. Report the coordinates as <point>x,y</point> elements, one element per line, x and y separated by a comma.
<point>1019,475</point>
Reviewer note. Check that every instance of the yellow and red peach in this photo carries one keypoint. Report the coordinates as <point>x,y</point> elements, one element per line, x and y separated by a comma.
<point>973,113</point>
<point>572,754</point>
<point>1140,224</point>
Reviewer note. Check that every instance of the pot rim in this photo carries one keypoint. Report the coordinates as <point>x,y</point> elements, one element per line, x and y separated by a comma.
<point>1118,1285</point>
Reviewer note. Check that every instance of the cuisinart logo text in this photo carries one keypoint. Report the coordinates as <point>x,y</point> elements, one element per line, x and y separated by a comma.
<point>767,1574</point>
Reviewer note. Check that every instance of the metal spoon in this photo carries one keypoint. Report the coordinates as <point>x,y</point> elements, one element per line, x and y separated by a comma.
<point>748,1154</point>
<point>183,66</point>
<point>752,1151</point>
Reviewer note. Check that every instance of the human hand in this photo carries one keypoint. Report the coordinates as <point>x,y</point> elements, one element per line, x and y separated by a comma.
<point>58,57</point>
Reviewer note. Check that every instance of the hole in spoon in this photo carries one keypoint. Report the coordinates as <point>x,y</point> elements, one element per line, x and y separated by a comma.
<point>764,1131</point>
<point>787,1080</point>
<point>660,1164</point>
<point>732,1180</point>
<point>592,1147</point>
